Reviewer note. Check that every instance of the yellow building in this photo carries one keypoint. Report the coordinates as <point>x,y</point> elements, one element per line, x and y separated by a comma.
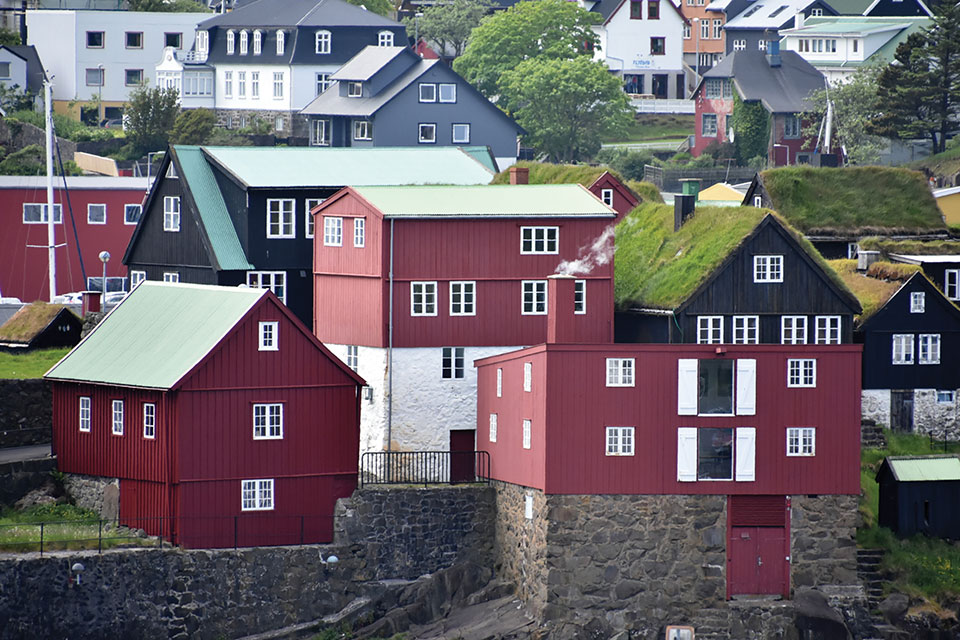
<point>949,202</point>
<point>720,195</point>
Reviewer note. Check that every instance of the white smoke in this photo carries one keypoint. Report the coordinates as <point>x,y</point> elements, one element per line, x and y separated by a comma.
<point>596,254</point>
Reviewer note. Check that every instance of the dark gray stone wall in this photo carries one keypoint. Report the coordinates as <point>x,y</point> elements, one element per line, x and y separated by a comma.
<point>521,544</point>
<point>94,492</point>
<point>17,479</point>
<point>823,541</point>
<point>26,413</point>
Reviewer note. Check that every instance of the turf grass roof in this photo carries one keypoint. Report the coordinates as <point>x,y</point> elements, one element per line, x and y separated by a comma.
<point>548,173</point>
<point>30,320</point>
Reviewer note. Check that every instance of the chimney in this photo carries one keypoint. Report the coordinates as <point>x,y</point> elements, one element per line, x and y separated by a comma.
<point>23,22</point>
<point>798,20</point>
<point>519,175</point>
<point>866,258</point>
<point>773,53</point>
<point>91,302</point>
<point>683,207</point>
<point>561,321</point>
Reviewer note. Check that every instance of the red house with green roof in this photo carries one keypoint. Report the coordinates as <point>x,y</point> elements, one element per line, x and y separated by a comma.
<point>223,419</point>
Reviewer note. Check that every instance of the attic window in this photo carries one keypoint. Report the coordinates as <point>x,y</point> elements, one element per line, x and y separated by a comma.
<point>323,42</point>
<point>385,39</point>
<point>230,43</point>
<point>917,302</point>
<point>354,89</point>
<point>268,336</point>
<point>257,42</point>
<point>244,39</point>
<point>280,41</point>
<point>752,11</point>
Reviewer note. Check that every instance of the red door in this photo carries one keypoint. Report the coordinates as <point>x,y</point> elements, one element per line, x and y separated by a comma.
<point>462,454</point>
<point>758,547</point>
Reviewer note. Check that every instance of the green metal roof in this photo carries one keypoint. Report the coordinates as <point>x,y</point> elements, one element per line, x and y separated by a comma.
<point>850,7</point>
<point>852,25</point>
<point>547,200</point>
<point>227,251</point>
<point>156,335</point>
<point>349,166</point>
<point>920,469</point>
<point>885,54</point>
<point>483,155</point>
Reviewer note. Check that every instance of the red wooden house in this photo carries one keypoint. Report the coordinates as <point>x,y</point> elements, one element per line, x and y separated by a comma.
<point>94,213</point>
<point>224,419</point>
<point>430,278</point>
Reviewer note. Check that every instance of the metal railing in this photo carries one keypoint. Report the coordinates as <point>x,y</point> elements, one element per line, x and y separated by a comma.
<point>424,467</point>
<point>661,105</point>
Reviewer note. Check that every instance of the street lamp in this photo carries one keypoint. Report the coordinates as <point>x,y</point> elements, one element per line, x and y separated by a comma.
<point>696,26</point>
<point>100,103</point>
<point>416,28</point>
<point>104,258</point>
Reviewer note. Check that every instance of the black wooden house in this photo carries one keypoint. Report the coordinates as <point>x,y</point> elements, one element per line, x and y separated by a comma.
<point>41,326</point>
<point>240,215</point>
<point>919,494</point>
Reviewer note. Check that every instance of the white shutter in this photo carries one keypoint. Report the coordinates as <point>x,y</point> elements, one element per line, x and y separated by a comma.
<point>687,454</point>
<point>746,387</point>
<point>687,387</point>
<point>746,454</point>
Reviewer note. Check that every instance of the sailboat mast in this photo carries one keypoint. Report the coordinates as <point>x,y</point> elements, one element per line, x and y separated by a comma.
<point>51,239</point>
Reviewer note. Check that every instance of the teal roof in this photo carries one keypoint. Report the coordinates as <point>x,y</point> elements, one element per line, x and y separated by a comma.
<point>851,25</point>
<point>547,200</point>
<point>280,167</point>
<point>850,7</point>
<point>483,155</point>
<point>885,54</point>
<point>224,243</point>
<point>157,335</point>
<point>923,468</point>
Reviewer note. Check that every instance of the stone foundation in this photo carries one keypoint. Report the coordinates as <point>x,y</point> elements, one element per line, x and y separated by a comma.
<point>26,413</point>
<point>231,118</point>
<point>875,405</point>
<point>95,493</point>
<point>938,419</point>
<point>823,546</point>
<point>520,545</point>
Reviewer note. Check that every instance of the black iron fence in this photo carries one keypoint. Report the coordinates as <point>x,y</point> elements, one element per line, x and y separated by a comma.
<point>424,467</point>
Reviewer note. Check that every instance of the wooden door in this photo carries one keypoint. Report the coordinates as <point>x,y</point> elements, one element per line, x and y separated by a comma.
<point>660,85</point>
<point>462,455</point>
<point>757,561</point>
<point>901,410</point>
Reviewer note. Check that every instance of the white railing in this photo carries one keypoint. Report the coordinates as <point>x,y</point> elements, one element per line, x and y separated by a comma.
<point>198,57</point>
<point>652,105</point>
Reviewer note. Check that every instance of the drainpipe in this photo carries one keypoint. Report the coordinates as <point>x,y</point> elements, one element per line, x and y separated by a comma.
<point>390,354</point>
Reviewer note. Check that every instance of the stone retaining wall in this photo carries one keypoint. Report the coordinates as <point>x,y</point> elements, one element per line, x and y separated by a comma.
<point>823,532</point>
<point>521,542</point>
<point>27,413</point>
<point>94,492</point>
<point>17,479</point>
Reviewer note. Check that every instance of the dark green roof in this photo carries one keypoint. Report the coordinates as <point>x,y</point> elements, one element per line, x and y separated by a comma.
<point>858,200</point>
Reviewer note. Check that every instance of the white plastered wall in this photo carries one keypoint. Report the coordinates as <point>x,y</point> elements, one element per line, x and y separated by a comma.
<point>875,405</point>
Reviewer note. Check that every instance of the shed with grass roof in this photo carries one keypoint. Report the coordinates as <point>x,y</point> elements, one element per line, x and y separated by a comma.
<point>919,494</point>
<point>223,419</point>
<point>725,276</point>
<point>836,208</point>
<point>41,326</point>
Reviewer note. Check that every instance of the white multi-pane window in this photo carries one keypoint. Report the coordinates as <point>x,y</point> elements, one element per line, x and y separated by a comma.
<point>362,130</point>
<point>620,372</point>
<point>801,441</point>
<point>705,30</point>
<point>268,421</point>
<point>96,214</point>
<point>276,281</point>
<point>534,297</point>
<point>231,36</point>
<point>451,365</point>
<point>385,39</point>
<point>606,195</point>
<point>619,441</point>
<point>359,233</point>
<point>203,41</point>
<point>709,329</point>
<point>244,42</point>
<point>717,29</point>
<point>308,221</point>
<point>801,372</point>
<point>768,268</point>
<point>928,345</point>
<point>256,495</point>
<point>951,283</point>
<point>171,276</point>
<point>281,40</point>
<point>257,42</point>
<point>527,428</point>
<point>241,84</point>
<point>917,302</point>
<point>281,221</point>
<point>322,41</point>
<point>463,298</point>
<point>171,213</point>
<point>136,277</point>
<point>85,414</point>
<point>278,84</point>
<point>528,377</point>
<point>539,240</point>
<point>37,213</point>
<point>580,297</point>
<point>228,84</point>
<point>739,45</point>
<point>793,330</point>
<point>708,125</point>
<point>149,420</point>
<point>320,133</point>
<point>131,213</point>
<point>828,329</point>
<point>499,383</point>
<point>255,84</point>
<point>269,338</point>
<point>332,231</point>
<point>116,421</point>
<point>493,427</point>
<point>746,329</point>
<point>323,82</point>
<point>423,298</point>
<point>353,356</point>
<point>903,348</point>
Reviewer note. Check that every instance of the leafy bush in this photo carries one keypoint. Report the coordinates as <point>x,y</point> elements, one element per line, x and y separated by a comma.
<point>257,127</point>
<point>228,138</point>
<point>193,126</point>
<point>31,161</point>
<point>627,163</point>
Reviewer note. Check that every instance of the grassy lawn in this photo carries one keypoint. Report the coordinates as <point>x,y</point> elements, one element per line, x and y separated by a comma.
<point>65,527</point>
<point>920,566</point>
<point>941,164</point>
<point>648,127</point>
<point>29,365</point>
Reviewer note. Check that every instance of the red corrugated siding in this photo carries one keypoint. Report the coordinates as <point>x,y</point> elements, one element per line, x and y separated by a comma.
<point>23,270</point>
<point>623,202</point>
<point>579,406</point>
<point>350,310</point>
<point>147,506</point>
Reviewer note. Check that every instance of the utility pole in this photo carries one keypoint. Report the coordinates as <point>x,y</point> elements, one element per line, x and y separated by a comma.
<point>51,238</point>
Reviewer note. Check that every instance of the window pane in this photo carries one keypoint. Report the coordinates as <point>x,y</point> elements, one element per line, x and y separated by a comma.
<point>715,454</point>
<point>716,386</point>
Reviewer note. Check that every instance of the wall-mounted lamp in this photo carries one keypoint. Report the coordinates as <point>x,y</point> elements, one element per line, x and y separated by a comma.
<point>75,572</point>
<point>721,350</point>
<point>368,394</point>
<point>331,559</point>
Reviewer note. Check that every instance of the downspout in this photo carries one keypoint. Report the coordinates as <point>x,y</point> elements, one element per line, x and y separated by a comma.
<point>390,352</point>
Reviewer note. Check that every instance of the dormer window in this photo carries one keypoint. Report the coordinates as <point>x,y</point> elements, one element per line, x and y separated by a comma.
<point>385,39</point>
<point>323,42</point>
<point>203,41</point>
<point>230,37</point>
<point>354,89</point>
<point>281,36</point>
<point>257,42</point>
<point>243,43</point>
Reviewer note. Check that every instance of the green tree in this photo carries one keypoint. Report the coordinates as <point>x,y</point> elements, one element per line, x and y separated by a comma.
<point>751,130</point>
<point>382,7</point>
<point>9,36</point>
<point>447,26</point>
<point>567,106</point>
<point>151,115</point>
<point>552,29</point>
<point>181,6</point>
<point>854,108</point>
<point>193,126</point>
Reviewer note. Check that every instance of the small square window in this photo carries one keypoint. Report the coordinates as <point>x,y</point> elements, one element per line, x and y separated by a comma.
<point>463,298</point>
<point>534,300</point>
<point>606,195</point>
<point>801,441</point>
<point>793,330</point>
<point>828,329</point>
<point>256,495</point>
<point>94,39</point>
<point>801,372</point>
<point>133,77</point>
<point>94,77</point>
<point>428,92</point>
<point>354,89</point>
<point>461,134</point>
<point>174,40</point>
<point>362,130</point>
<point>620,372</point>
<point>131,213</point>
<point>268,421</point>
<point>619,441</point>
<point>268,336</point>
<point>658,46</point>
<point>423,298</point>
<point>917,302</point>
<point>171,276</point>
<point>427,133</point>
<point>134,40</point>
<point>709,329</point>
<point>332,231</point>
<point>768,268</point>
<point>136,277</point>
<point>746,329</point>
<point>96,214</point>
<point>452,364</point>
<point>448,92</point>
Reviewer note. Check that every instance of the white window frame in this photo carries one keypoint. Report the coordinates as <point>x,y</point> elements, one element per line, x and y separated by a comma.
<point>768,268</point>
<point>257,42</point>
<point>84,415</point>
<point>620,441</point>
<point>493,427</point>
<point>606,196</point>
<point>928,348</point>
<point>463,298</point>
<point>801,442</point>
<point>902,344</point>
<point>451,89</point>
<point>281,218</point>
<point>332,231</point>
<point>231,42</point>
<point>268,336</point>
<point>354,89</point>
<point>42,208</point>
<point>580,297</point>
<point>797,326</point>
<point>536,290</point>
<point>739,45</point>
<point>917,301</point>
<point>528,377</point>
<point>281,41</point>
<point>278,80</point>
<point>90,210</point>
<point>464,133</point>
<point>384,38</point>
<point>746,329</point>
<point>127,208</point>
<point>116,417</point>
<point>308,221</point>
<point>322,42</point>
<point>257,495</point>
<point>171,213</point>
<point>499,383</point>
<point>621,372</point>
<point>362,130</point>
<point>268,421</point>
<point>136,277</point>
<point>244,42</point>
<point>272,280</point>
<point>452,361</point>
<point>853,250</point>
<point>527,433</point>
<point>801,373</point>
<point>426,291</point>
<point>946,396</point>
<point>951,283</point>
<point>427,133</point>
<point>539,241</point>
<point>359,233</point>
<point>320,132</point>
<point>353,356</point>
<point>428,92</point>
<point>149,420</point>
<point>829,327</point>
<point>323,81</point>
<point>709,329</point>
<point>708,125</point>
<point>171,276</point>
